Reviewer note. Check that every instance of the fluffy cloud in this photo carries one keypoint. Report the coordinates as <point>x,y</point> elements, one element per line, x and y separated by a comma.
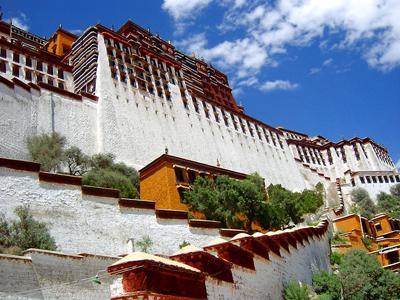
<point>183,9</point>
<point>264,31</point>
<point>19,21</point>
<point>269,86</point>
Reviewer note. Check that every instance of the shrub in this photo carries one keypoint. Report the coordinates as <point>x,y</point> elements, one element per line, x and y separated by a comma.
<point>47,149</point>
<point>76,161</point>
<point>295,291</point>
<point>362,199</point>
<point>338,239</point>
<point>336,258</point>
<point>362,277</point>
<point>145,244</point>
<point>19,235</point>
<point>106,173</point>
<point>327,284</point>
<point>184,244</point>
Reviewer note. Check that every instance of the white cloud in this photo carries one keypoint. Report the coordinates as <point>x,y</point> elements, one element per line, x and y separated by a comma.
<point>269,86</point>
<point>398,165</point>
<point>184,9</point>
<point>19,21</point>
<point>75,31</point>
<point>265,31</point>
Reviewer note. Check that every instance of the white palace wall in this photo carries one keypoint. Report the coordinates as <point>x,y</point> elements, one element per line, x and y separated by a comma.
<point>137,127</point>
<point>85,223</point>
<point>25,113</point>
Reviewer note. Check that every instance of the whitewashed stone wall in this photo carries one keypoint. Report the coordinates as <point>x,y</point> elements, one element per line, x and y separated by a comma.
<point>82,223</point>
<point>41,275</point>
<point>270,276</point>
<point>24,113</point>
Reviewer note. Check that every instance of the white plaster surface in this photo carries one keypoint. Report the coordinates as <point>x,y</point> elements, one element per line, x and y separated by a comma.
<point>93,224</point>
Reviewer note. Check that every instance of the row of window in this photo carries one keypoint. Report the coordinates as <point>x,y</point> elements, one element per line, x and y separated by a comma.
<point>380,179</point>
<point>29,75</point>
<point>383,156</point>
<point>308,154</point>
<point>33,63</point>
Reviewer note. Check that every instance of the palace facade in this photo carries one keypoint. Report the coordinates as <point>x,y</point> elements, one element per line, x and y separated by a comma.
<point>131,93</point>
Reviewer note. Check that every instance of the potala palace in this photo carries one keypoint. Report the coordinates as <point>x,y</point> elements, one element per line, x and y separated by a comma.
<point>133,94</point>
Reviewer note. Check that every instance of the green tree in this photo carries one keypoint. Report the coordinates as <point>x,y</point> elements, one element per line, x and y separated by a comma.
<point>47,149</point>
<point>76,161</point>
<point>104,172</point>
<point>295,291</point>
<point>145,244</point>
<point>24,233</point>
<point>362,199</point>
<point>328,284</point>
<point>390,203</point>
<point>362,277</point>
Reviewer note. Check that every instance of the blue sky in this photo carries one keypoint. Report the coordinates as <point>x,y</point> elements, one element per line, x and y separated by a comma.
<point>319,67</point>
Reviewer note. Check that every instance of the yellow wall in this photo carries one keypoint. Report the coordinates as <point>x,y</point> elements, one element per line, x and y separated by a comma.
<point>60,43</point>
<point>348,224</point>
<point>385,224</point>
<point>161,187</point>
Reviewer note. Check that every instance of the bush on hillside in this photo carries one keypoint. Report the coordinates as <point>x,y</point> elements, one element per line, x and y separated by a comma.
<point>390,203</point>
<point>24,233</point>
<point>295,291</point>
<point>76,161</point>
<point>362,199</point>
<point>48,150</point>
<point>104,172</point>
<point>327,284</point>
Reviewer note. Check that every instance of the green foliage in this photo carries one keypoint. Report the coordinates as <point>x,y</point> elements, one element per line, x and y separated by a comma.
<point>106,173</point>
<point>295,291</point>
<point>362,277</point>
<point>362,199</point>
<point>390,203</point>
<point>184,244</point>
<point>367,241</point>
<point>235,203</point>
<point>336,258</point>
<point>19,235</point>
<point>47,149</point>
<point>145,244</point>
<point>240,203</point>
<point>327,284</point>
<point>337,239</point>
<point>76,161</point>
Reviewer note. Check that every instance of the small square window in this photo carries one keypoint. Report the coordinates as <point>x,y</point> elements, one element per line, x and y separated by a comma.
<point>15,71</point>
<point>28,61</point>
<point>3,53</point>
<point>378,226</point>
<point>28,75</point>
<point>374,179</point>
<point>3,68</point>
<point>368,178</point>
<point>397,178</point>
<point>362,179</point>
<point>179,176</point>
<point>380,179</point>
<point>16,57</point>
<point>60,85</point>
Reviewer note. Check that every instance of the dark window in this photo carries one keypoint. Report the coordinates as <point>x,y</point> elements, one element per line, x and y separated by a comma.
<point>378,226</point>
<point>3,52</point>
<point>393,256</point>
<point>397,178</point>
<point>362,179</point>
<point>39,78</point>
<point>50,69</point>
<point>28,61</point>
<point>386,179</point>
<point>16,57</point>
<point>50,81</point>
<point>391,178</point>
<point>39,66</point>
<point>61,85</point>
<point>181,192</point>
<point>368,179</point>
<point>374,179</point>
<point>16,71</point>
<point>380,179</point>
<point>60,74</point>
<point>2,66</point>
<point>191,176</point>
<point>179,175</point>
<point>28,75</point>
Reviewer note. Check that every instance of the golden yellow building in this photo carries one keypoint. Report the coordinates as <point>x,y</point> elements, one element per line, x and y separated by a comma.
<point>60,42</point>
<point>166,178</point>
<point>380,236</point>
